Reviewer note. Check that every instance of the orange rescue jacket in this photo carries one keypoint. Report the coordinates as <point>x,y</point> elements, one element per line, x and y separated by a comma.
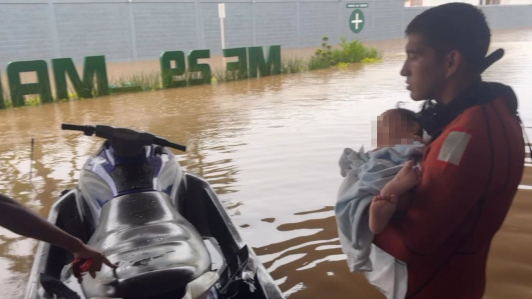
<point>471,173</point>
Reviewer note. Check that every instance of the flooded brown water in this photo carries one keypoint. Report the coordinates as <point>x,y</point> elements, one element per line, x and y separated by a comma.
<point>270,149</point>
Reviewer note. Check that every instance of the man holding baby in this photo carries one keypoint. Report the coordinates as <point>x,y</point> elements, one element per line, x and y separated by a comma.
<point>417,215</point>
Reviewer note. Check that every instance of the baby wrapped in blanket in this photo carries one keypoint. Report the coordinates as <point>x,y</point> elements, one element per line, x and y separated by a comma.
<point>375,188</point>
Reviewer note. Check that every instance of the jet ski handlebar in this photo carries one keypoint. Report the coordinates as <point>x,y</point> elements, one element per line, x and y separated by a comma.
<point>87,130</point>
<point>123,135</point>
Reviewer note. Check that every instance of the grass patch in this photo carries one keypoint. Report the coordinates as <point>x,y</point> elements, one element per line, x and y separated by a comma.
<point>220,76</point>
<point>293,65</point>
<point>146,81</point>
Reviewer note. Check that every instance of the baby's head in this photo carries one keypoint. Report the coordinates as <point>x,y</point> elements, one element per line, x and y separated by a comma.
<point>397,126</point>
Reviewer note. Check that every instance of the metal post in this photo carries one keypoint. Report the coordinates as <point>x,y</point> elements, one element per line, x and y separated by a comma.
<point>53,29</point>
<point>221,14</point>
<point>199,26</point>
<point>253,22</point>
<point>298,27</point>
<point>133,30</point>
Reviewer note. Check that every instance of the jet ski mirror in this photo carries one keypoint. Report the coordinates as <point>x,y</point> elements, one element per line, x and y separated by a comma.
<point>124,141</point>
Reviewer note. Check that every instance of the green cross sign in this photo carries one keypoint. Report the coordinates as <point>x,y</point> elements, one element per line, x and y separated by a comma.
<point>356,21</point>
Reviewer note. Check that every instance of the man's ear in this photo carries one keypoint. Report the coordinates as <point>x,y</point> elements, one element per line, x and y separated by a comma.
<point>453,61</point>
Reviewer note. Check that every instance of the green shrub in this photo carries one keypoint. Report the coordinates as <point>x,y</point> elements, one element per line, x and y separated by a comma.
<point>292,66</point>
<point>349,52</point>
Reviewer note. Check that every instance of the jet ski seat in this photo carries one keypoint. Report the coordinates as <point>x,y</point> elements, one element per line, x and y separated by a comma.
<point>158,250</point>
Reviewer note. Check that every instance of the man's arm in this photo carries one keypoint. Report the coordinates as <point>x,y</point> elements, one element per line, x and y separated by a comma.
<point>455,176</point>
<point>21,220</point>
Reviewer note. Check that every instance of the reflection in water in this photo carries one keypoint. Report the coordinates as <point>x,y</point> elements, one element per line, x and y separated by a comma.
<point>270,148</point>
<point>306,266</point>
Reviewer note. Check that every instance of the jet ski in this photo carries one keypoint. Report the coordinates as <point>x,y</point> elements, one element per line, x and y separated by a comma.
<point>166,229</point>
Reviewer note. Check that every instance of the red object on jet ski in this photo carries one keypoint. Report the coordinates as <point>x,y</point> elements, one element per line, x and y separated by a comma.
<point>81,265</point>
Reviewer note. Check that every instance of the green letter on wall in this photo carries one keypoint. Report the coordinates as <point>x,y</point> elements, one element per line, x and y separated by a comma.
<point>18,90</point>
<point>2,103</point>
<point>168,72</point>
<point>95,65</point>
<point>241,65</point>
<point>92,65</point>
<point>204,68</point>
<point>256,61</point>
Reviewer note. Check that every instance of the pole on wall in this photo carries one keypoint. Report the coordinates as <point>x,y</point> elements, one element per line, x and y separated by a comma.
<point>221,14</point>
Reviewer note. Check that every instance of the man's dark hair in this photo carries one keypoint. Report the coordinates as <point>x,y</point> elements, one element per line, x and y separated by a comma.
<point>454,26</point>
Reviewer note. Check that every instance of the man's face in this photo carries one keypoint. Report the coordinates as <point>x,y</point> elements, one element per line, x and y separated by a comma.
<point>424,72</point>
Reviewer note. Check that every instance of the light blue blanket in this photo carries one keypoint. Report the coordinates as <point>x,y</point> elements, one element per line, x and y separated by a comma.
<point>365,174</point>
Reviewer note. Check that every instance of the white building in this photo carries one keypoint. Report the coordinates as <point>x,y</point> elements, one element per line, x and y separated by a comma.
<point>412,3</point>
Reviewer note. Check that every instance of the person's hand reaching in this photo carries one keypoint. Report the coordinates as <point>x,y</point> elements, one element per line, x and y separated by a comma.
<point>86,252</point>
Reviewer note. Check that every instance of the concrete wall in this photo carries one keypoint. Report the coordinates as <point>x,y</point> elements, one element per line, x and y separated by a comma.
<point>409,3</point>
<point>142,29</point>
<point>516,2</point>
<point>440,2</point>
